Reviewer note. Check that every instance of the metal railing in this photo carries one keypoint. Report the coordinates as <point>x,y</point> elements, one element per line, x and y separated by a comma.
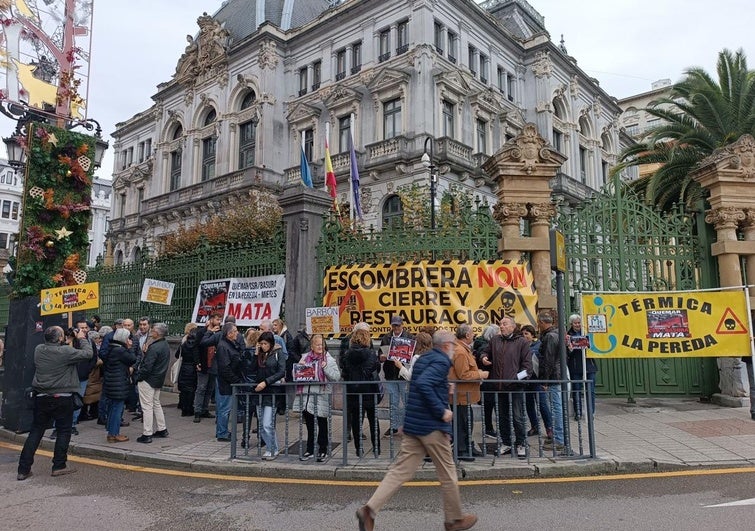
<point>376,447</point>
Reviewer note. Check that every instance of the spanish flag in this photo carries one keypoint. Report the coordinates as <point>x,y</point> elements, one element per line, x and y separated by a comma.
<point>330,176</point>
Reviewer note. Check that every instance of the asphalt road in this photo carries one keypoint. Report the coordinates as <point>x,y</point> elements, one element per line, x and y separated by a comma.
<point>102,497</point>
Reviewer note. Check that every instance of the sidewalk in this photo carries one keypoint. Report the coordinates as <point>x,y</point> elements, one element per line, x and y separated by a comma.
<point>651,435</point>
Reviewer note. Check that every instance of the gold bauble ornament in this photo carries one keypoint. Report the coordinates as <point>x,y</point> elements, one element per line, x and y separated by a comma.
<point>50,243</point>
<point>68,173</point>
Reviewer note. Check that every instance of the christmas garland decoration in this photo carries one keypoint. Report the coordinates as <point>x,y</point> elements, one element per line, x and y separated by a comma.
<point>53,238</point>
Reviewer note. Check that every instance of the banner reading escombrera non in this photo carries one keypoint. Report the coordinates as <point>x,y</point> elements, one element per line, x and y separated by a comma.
<point>250,300</point>
<point>667,325</point>
<point>443,294</point>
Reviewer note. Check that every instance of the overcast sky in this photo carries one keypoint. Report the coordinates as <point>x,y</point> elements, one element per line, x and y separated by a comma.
<point>625,44</point>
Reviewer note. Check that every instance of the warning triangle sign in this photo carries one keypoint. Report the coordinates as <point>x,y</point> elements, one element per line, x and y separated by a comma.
<point>91,295</point>
<point>730,324</point>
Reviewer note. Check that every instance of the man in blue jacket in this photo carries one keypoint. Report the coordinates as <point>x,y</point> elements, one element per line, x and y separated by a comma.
<point>427,431</point>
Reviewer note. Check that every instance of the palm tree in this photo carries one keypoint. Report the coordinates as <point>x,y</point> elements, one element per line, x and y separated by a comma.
<point>699,115</point>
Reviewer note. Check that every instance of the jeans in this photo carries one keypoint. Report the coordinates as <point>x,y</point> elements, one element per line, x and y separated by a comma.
<point>537,399</point>
<point>577,394</point>
<point>410,456</point>
<point>114,414</point>
<point>514,399</point>
<point>463,425</point>
<point>396,391</point>
<point>322,433</point>
<point>222,412</point>
<point>267,428</point>
<point>557,413</point>
<point>48,409</point>
<point>77,412</point>
<point>151,409</point>
<point>205,388</point>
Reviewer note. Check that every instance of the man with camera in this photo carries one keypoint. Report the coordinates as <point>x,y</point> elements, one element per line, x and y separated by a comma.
<point>55,382</point>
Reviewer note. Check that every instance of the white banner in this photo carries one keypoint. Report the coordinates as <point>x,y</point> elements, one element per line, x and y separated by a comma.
<point>157,291</point>
<point>250,300</point>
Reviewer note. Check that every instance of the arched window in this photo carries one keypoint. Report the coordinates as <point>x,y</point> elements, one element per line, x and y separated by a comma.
<point>177,132</point>
<point>393,212</point>
<point>118,257</point>
<point>211,117</point>
<point>249,99</point>
<point>137,254</point>
<point>585,128</point>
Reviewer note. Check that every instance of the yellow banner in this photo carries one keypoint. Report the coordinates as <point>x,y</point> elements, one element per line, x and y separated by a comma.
<point>431,293</point>
<point>667,325</point>
<point>69,298</point>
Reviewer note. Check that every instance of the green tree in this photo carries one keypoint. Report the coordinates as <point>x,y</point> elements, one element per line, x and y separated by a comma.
<point>699,115</point>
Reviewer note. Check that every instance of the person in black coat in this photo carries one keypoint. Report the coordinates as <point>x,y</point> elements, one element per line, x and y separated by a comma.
<point>116,368</point>
<point>361,364</point>
<point>187,373</point>
<point>228,363</point>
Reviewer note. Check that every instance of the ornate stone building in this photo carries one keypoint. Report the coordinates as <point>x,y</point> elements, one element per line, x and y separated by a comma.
<point>262,78</point>
<point>11,192</point>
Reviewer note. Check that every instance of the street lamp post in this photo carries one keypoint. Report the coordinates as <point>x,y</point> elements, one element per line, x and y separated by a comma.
<point>428,161</point>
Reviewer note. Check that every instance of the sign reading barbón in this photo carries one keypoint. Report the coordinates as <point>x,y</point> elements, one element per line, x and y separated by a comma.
<point>443,294</point>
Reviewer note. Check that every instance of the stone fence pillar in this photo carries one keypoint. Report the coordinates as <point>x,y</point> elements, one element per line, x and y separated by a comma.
<point>523,169</point>
<point>729,176</point>
<point>303,210</point>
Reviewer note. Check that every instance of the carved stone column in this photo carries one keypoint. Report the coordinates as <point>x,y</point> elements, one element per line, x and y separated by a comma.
<point>523,169</point>
<point>729,176</point>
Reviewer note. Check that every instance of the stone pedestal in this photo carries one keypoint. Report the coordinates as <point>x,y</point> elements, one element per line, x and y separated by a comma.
<point>303,210</point>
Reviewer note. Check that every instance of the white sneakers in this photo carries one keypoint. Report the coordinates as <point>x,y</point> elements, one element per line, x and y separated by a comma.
<point>269,456</point>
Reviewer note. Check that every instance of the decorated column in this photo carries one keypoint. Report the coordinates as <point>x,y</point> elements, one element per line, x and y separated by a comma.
<point>729,176</point>
<point>523,169</point>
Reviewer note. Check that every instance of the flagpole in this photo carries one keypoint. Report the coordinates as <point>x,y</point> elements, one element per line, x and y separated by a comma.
<point>351,172</point>
<point>327,143</point>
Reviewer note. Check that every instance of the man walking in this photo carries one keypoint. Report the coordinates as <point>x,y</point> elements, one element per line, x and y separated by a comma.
<point>150,380</point>
<point>205,355</point>
<point>55,380</point>
<point>427,431</point>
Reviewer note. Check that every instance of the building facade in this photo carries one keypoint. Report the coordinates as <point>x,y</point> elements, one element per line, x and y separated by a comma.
<point>11,200</point>
<point>264,79</point>
<point>101,205</point>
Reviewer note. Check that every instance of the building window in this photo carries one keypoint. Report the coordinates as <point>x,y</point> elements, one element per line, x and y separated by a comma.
<point>483,68</point>
<point>208,158</point>
<point>340,64</point>
<point>471,58</point>
<point>302,81</point>
<point>439,38</point>
<point>356,57</point>
<point>140,151</point>
<point>247,143</point>
<point>249,99</point>
<point>510,87</point>
<point>604,166</point>
<point>482,136</point>
<point>452,42</point>
<point>582,164</point>
<point>175,170</point>
<point>140,199</point>
<point>309,143</point>
<point>385,45</point>
<point>148,148</point>
<point>448,118</point>
<point>3,240</point>
<point>393,213</point>
<point>558,140</point>
<point>6,210</point>
<point>391,118</point>
<point>501,80</point>
<point>130,156</point>
<point>14,210</point>
<point>10,209</point>
<point>316,74</point>
<point>402,36</point>
<point>122,205</point>
<point>344,133</point>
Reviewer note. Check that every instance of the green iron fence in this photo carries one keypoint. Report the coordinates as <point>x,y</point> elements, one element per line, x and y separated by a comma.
<point>121,285</point>
<point>615,242</point>
<point>473,235</point>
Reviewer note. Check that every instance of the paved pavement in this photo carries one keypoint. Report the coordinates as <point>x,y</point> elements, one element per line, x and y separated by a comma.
<point>651,435</point>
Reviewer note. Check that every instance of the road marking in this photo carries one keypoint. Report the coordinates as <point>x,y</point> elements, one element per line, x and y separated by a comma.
<point>354,483</point>
<point>738,503</point>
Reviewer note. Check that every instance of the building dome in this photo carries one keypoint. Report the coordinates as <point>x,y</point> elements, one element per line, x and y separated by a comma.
<point>242,17</point>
